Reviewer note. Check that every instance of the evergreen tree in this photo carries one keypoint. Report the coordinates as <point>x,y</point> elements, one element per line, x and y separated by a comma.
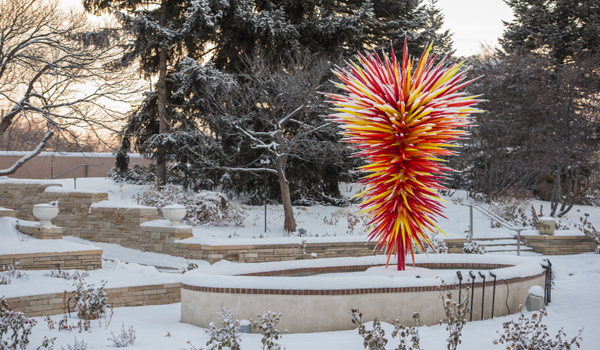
<point>559,27</point>
<point>156,42</point>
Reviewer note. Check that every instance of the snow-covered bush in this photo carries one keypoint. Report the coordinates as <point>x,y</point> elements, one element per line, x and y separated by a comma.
<point>77,345</point>
<point>589,230</point>
<point>138,175</point>
<point>532,333</point>
<point>266,326</point>
<point>11,271</point>
<point>15,329</point>
<point>472,247</point>
<point>438,245</point>
<point>408,336</point>
<point>123,339</point>
<point>203,208</point>
<point>227,337</point>
<point>76,275</point>
<point>507,204</point>
<point>373,339</point>
<point>91,303</point>
<point>456,316</point>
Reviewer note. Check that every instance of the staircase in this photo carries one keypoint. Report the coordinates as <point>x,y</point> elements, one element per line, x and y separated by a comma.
<point>502,245</point>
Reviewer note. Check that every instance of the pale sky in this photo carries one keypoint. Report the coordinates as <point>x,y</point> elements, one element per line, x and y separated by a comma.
<point>473,22</point>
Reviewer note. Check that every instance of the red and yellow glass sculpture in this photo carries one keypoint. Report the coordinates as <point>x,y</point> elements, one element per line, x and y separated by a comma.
<point>402,119</point>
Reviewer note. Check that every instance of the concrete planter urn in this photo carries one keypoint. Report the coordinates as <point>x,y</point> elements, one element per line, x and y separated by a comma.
<point>45,213</point>
<point>546,226</point>
<point>174,213</point>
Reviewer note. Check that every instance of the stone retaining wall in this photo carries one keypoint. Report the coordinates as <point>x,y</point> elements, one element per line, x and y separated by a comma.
<point>273,252</point>
<point>54,304</point>
<point>560,245</point>
<point>82,260</point>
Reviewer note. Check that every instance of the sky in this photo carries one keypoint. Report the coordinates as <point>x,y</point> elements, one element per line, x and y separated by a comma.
<point>473,22</point>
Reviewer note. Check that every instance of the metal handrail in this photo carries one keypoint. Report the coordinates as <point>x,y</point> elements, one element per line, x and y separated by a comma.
<point>73,168</point>
<point>502,222</point>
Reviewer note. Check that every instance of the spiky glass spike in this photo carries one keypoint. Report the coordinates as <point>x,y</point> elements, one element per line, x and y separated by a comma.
<point>401,120</point>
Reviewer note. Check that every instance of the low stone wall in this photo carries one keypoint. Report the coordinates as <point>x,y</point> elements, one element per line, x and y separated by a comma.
<point>560,245</point>
<point>314,306</point>
<point>82,260</point>
<point>455,246</point>
<point>273,252</point>
<point>54,304</point>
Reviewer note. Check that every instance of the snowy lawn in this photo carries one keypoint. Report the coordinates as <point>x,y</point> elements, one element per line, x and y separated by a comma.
<point>574,306</point>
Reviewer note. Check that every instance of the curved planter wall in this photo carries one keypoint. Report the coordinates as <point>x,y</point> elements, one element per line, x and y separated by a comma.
<point>317,304</point>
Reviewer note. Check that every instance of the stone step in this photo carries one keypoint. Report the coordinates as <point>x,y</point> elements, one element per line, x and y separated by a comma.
<point>498,242</point>
<point>507,248</point>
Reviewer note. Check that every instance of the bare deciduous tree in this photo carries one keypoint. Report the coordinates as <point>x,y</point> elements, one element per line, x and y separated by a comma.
<point>55,65</point>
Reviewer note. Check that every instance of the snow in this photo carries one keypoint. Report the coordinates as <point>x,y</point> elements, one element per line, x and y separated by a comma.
<point>118,205</point>
<point>573,307</point>
<point>116,273</point>
<point>536,290</point>
<point>111,251</point>
<point>58,189</point>
<point>222,274</point>
<point>161,223</point>
<point>14,242</point>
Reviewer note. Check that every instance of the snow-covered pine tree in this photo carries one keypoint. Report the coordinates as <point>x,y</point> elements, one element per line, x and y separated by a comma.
<point>564,28</point>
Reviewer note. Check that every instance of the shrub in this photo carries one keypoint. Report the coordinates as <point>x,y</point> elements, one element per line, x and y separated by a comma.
<point>456,316</point>
<point>11,271</point>
<point>472,247</point>
<point>373,339</point>
<point>227,337</point>
<point>78,345</point>
<point>408,336</point>
<point>203,208</point>
<point>125,338</point>
<point>532,333</point>
<point>91,304</point>
<point>266,326</point>
<point>15,329</point>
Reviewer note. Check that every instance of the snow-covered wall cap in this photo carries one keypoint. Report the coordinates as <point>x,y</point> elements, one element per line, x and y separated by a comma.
<point>536,290</point>
<point>68,154</point>
<point>6,179</point>
<point>69,190</point>
<point>223,274</point>
<point>546,218</point>
<point>162,223</point>
<point>119,205</point>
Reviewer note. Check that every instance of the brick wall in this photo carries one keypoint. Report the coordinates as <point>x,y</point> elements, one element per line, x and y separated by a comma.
<point>83,260</point>
<point>54,304</point>
<point>560,245</point>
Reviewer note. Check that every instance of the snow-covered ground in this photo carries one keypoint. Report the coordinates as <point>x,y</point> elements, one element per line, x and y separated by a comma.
<point>574,306</point>
<point>327,223</point>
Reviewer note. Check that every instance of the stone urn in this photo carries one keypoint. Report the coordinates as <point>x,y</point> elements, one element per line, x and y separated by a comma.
<point>45,213</point>
<point>174,213</point>
<point>546,226</point>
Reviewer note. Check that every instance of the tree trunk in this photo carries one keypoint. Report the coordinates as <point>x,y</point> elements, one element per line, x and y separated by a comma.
<point>161,89</point>
<point>289,224</point>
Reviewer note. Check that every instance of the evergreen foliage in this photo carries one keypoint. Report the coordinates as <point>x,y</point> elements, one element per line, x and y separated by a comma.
<point>562,28</point>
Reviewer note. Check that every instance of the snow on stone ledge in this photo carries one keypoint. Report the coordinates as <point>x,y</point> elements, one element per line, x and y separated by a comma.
<point>119,205</point>
<point>14,242</point>
<point>68,154</point>
<point>162,223</point>
<point>221,274</point>
<point>69,190</point>
<point>5,179</point>
<point>117,274</point>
